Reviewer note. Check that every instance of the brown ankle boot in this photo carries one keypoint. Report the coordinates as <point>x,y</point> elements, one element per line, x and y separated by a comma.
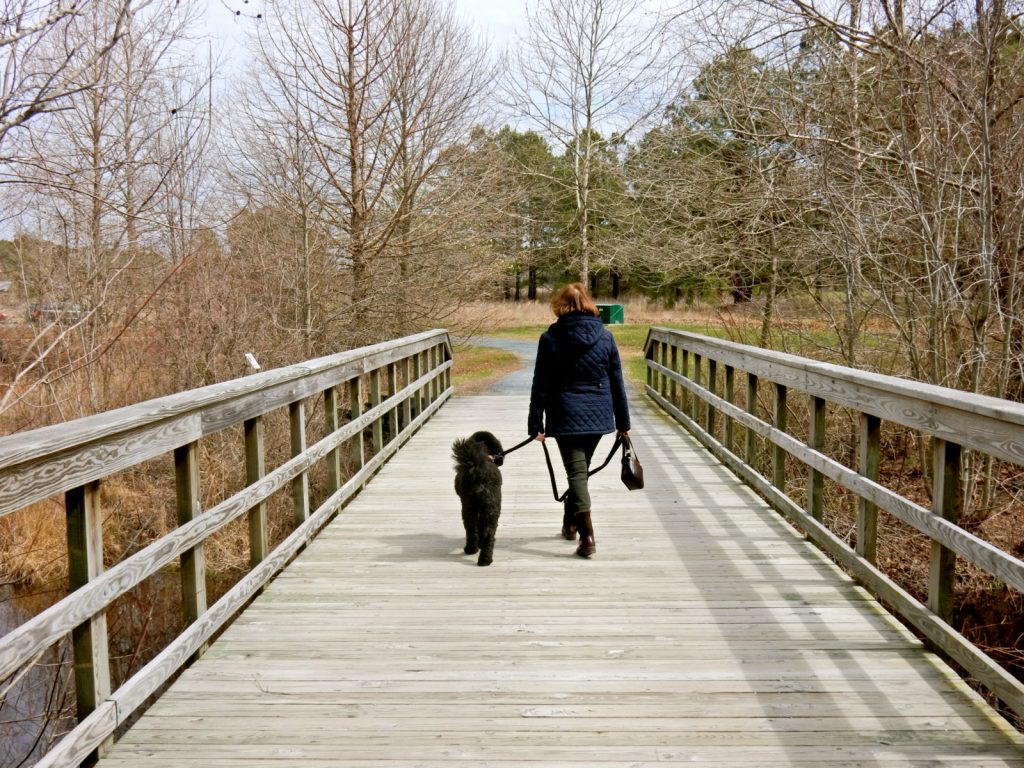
<point>568,525</point>
<point>587,545</point>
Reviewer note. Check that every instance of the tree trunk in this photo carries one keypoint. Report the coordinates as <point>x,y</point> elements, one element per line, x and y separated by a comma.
<point>768,313</point>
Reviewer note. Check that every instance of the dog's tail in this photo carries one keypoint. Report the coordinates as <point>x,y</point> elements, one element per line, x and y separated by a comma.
<point>468,453</point>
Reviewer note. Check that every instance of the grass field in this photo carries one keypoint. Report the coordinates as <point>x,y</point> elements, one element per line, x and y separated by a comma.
<point>629,338</point>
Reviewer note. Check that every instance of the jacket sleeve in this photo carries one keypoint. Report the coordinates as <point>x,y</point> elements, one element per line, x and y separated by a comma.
<point>541,388</point>
<point>618,387</point>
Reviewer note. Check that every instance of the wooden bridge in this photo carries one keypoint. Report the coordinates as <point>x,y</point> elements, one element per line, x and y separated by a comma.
<point>706,630</point>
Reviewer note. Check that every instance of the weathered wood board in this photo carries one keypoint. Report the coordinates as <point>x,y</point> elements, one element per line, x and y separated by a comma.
<point>704,631</point>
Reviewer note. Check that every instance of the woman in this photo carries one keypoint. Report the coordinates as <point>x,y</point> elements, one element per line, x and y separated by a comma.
<point>578,395</point>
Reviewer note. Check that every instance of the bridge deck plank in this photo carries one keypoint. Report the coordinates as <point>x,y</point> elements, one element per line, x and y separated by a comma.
<point>704,631</point>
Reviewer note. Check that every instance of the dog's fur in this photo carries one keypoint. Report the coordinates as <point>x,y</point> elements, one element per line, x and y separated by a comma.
<point>478,483</point>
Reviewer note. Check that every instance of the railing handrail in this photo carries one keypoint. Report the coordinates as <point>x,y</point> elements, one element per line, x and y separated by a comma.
<point>156,426</point>
<point>76,456</point>
<point>952,418</point>
<point>964,417</point>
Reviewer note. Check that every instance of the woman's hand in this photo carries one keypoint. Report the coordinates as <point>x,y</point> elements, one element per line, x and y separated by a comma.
<point>539,437</point>
<point>624,433</point>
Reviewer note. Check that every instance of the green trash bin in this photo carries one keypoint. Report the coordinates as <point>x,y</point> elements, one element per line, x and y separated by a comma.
<point>611,314</point>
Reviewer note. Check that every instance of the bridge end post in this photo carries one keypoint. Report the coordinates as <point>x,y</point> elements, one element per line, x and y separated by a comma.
<point>85,562</point>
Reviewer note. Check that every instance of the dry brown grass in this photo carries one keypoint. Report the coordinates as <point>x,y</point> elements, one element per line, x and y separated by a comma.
<point>33,544</point>
<point>483,317</point>
<point>476,368</point>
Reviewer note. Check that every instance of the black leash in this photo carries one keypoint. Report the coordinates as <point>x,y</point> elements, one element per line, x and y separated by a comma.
<point>551,469</point>
<point>527,441</point>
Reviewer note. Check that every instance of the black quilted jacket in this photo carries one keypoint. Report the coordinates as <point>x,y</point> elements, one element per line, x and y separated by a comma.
<point>577,382</point>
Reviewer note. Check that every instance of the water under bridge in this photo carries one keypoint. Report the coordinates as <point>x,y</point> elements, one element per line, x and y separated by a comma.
<point>709,629</point>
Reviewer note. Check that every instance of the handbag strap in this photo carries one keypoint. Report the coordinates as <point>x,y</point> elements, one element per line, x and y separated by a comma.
<point>627,447</point>
<point>619,440</point>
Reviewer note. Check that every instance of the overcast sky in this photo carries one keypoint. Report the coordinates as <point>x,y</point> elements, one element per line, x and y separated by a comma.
<point>495,20</point>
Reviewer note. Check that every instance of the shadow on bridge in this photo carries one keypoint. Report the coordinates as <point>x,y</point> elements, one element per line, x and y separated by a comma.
<point>834,678</point>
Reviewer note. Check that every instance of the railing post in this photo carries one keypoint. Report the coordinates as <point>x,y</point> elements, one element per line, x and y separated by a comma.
<point>300,484</point>
<point>417,373</point>
<point>779,453</point>
<point>750,448</point>
<point>392,389</point>
<point>330,427</point>
<point>355,403</point>
<point>405,414</point>
<point>429,368</point>
<point>409,406</point>
<point>729,395</point>
<point>649,354</point>
<point>867,460</point>
<point>378,426</point>
<point>709,415</point>
<point>815,440</point>
<point>193,561</point>
<point>448,372</point>
<point>946,502</point>
<point>663,379</point>
<point>85,562</point>
<point>435,384</point>
<point>684,404</point>
<point>255,468</point>
<point>424,390</point>
<point>696,401</point>
<point>673,389</point>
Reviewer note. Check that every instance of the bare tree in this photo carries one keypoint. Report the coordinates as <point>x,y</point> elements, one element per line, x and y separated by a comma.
<point>905,122</point>
<point>377,97</point>
<point>278,176</point>
<point>98,173</point>
<point>46,59</point>
<point>586,72</point>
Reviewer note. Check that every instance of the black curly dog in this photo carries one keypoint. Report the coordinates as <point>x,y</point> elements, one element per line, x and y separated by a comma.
<point>478,483</point>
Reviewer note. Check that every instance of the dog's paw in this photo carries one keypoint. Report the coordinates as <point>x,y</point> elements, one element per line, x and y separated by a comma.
<point>484,561</point>
<point>470,550</point>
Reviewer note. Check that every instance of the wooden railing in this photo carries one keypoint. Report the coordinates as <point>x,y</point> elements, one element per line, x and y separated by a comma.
<point>696,379</point>
<point>403,382</point>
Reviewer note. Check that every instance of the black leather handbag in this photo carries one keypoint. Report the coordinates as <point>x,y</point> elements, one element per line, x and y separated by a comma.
<point>632,470</point>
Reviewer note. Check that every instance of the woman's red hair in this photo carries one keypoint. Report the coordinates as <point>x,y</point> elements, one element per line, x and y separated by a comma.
<point>573,298</point>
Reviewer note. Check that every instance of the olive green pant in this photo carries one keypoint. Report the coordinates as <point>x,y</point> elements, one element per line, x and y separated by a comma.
<point>576,452</point>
